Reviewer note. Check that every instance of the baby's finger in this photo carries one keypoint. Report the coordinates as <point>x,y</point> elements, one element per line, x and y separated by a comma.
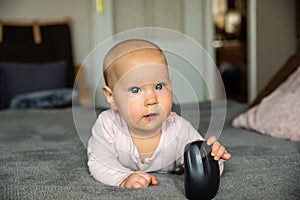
<point>226,156</point>
<point>133,181</point>
<point>145,175</point>
<point>220,152</point>
<point>144,182</point>
<point>136,184</point>
<point>211,140</point>
<point>215,148</point>
<point>154,180</point>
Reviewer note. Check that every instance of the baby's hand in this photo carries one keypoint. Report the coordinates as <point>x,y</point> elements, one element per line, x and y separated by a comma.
<point>139,179</point>
<point>218,151</point>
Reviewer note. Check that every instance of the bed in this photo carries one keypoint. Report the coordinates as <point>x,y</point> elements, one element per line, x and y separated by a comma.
<point>43,157</point>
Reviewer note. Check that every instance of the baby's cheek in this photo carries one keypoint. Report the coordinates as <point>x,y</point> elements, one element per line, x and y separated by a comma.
<point>134,110</point>
<point>166,103</point>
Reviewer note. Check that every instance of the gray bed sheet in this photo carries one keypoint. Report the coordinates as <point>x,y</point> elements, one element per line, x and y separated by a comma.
<point>43,157</point>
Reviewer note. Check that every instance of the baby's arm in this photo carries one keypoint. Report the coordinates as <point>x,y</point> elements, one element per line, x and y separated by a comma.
<point>118,175</point>
<point>106,169</point>
<point>103,160</point>
<point>104,166</point>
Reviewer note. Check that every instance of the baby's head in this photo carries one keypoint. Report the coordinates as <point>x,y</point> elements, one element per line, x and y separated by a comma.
<point>134,48</point>
<point>138,84</point>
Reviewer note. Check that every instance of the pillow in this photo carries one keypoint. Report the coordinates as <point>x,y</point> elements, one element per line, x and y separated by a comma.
<point>20,78</point>
<point>45,99</point>
<point>278,114</point>
<point>280,76</point>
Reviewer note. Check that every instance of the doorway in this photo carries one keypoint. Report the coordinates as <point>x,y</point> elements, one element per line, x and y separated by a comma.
<point>230,45</point>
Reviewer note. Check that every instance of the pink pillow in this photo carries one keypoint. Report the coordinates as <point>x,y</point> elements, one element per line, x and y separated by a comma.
<point>278,114</point>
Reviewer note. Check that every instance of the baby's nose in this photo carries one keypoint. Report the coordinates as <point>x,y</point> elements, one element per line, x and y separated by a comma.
<point>151,98</point>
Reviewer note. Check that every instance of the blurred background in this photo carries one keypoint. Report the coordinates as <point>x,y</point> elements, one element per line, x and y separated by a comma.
<point>249,40</point>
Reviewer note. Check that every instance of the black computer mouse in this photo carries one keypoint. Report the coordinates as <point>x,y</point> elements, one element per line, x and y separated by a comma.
<point>201,171</point>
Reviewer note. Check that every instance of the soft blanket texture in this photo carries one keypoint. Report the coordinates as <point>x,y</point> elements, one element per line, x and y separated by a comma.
<point>278,114</point>
<point>42,157</point>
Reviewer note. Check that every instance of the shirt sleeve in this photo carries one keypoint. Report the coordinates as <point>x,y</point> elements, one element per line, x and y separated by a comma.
<point>103,160</point>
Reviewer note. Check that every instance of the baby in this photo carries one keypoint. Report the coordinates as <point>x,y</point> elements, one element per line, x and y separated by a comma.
<point>139,134</point>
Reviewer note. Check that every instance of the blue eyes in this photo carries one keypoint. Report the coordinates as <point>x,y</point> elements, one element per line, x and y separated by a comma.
<point>159,86</point>
<point>137,89</point>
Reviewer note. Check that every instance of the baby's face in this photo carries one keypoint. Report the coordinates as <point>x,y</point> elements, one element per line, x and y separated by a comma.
<point>143,92</point>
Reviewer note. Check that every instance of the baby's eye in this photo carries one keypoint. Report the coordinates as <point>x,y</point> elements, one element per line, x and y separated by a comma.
<point>159,86</point>
<point>135,89</point>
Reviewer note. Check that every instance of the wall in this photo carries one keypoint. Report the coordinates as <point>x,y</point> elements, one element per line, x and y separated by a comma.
<point>276,37</point>
<point>195,25</point>
<point>78,10</point>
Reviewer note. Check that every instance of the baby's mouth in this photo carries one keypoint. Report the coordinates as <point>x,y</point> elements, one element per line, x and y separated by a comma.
<point>150,116</point>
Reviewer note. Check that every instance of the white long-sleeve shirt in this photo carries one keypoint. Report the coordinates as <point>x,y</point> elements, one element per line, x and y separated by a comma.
<point>112,155</point>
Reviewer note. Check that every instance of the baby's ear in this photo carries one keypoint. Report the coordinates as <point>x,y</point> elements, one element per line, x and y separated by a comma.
<point>109,97</point>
